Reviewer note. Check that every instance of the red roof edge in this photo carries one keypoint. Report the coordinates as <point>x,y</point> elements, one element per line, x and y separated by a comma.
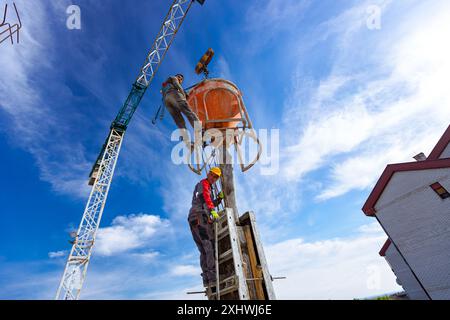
<point>440,146</point>
<point>385,247</point>
<point>369,206</point>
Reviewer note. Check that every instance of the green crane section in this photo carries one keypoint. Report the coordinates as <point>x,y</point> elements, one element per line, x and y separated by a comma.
<point>129,107</point>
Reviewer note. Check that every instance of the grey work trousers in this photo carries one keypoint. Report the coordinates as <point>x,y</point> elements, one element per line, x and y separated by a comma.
<point>203,235</point>
<point>176,104</point>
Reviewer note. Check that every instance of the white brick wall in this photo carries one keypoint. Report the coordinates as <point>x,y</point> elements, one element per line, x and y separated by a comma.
<point>405,182</point>
<point>446,153</point>
<point>418,221</point>
<point>404,274</point>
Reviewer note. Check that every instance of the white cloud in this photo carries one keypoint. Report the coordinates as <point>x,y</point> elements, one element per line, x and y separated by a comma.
<point>186,270</point>
<point>160,280</point>
<point>370,229</point>
<point>146,256</point>
<point>360,171</point>
<point>339,132</point>
<point>341,268</point>
<point>56,254</point>
<point>177,192</point>
<point>147,148</point>
<point>224,68</point>
<point>131,232</point>
<point>357,122</point>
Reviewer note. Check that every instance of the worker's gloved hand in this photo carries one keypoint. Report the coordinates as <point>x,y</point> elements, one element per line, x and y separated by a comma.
<point>215,214</point>
<point>221,195</point>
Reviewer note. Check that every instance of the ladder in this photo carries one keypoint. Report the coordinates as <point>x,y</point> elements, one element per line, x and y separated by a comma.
<point>243,273</point>
<point>231,277</point>
<point>241,267</point>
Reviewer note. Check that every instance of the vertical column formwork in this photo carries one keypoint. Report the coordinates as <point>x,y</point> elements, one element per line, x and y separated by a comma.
<point>243,269</point>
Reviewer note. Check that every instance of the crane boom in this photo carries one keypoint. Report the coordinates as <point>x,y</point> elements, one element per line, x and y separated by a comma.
<point>103,169</point>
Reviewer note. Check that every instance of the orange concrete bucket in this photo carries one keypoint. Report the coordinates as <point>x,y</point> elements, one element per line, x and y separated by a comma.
<point>218,103</point>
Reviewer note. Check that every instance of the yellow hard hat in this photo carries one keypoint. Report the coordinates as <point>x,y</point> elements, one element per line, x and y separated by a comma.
<point>216,171</point>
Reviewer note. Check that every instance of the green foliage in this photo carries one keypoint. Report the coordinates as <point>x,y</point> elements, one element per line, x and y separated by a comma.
<point>384,298</point>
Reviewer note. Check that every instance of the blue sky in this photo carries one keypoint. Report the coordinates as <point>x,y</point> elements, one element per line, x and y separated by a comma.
<point>346,98</point>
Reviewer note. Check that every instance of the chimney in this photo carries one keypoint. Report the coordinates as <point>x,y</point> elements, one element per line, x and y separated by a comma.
<point>420,157</point>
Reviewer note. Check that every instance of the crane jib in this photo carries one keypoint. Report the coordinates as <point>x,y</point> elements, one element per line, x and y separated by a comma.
<point>129,107</point>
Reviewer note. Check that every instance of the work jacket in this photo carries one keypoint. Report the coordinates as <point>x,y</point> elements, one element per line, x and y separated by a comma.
<point>172,85</point>
<point>202,200</point>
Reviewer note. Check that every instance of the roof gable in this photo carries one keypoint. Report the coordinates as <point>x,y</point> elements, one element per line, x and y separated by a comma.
<point>385,247</point>
<point>369,206</point>
<point>432,162</point>
<point>440,146</point>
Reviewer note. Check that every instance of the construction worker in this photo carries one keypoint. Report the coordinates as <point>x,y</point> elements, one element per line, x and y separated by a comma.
<point>174,98</point>
<point>201,216</point>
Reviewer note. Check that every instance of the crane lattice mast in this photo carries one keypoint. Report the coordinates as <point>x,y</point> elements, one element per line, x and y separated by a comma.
<point>103,169</point>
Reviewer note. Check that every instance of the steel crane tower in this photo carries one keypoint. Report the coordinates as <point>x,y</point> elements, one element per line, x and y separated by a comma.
<point>103,169</point>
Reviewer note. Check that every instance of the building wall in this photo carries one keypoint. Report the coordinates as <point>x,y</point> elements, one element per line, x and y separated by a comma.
<point>418,221</point>
<point>405,182</point>
<point>405,277</point>
<point>446,153</point>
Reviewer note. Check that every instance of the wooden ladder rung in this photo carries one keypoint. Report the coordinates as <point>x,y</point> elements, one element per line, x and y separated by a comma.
<point>222,234</point>
<point>226,290</point>
<point>226,255</point>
